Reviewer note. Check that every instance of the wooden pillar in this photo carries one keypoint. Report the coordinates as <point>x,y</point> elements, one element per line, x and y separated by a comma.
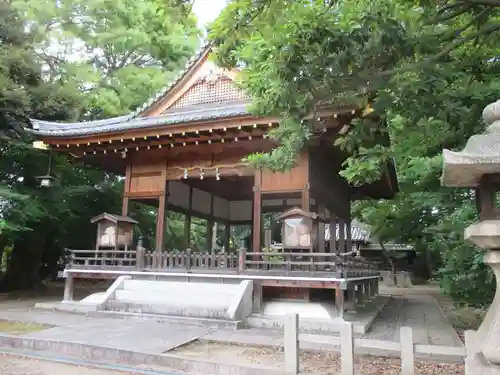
<point>333,233</point>
<point>126,189</point>
<point>160,221</point>
<point>321,229</point>
<point>342,234</point>
<point>227,235</point>
<point>187,222</point>
<point>257,212</point>
<point>211,236</point>
<point>348,235</point>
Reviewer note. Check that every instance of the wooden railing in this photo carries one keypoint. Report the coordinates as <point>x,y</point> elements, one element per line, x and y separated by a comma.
<point>294,262</point>
<point>240,262</point>
<point>101,258</point>
<point>187,260</point>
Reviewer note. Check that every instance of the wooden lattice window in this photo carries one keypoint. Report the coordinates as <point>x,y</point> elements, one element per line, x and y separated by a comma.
<point>206,91</point>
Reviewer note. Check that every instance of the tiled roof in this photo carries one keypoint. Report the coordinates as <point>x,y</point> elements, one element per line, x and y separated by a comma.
<point>208,110</point>
<point>172,116</point>
<point>359,232</point>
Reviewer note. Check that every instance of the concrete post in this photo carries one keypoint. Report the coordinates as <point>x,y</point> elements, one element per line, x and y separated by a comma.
<point>347,349</point>
<point>68,288</point>
<point>360,295</point>
<point>368,290</point>
<point>339,302</point>
<point>350,301</point>
<point>242,257</point>
<point>257,296</point>
<point>407,351</point>
<point>291,344</point>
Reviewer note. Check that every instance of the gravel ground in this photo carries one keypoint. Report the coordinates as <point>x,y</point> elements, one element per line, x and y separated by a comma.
<point>315,363</point>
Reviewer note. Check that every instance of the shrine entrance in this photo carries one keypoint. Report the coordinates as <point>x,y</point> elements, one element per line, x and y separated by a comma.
<point>217,211</point>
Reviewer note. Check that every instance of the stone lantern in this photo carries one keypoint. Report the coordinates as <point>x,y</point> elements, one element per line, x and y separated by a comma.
<point>477,166</point>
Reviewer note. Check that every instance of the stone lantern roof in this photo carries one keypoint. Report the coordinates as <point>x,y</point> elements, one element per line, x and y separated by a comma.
<point>480,156</point>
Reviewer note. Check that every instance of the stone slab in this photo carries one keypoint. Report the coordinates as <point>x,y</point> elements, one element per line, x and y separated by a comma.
<point>102,353</point>
<point>362,321</point>
<point>143,336</point>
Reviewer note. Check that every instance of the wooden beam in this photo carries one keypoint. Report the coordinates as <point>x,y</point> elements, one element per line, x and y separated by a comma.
<point>153,194</point>
<point>344,114</point>
<point>176,141</point>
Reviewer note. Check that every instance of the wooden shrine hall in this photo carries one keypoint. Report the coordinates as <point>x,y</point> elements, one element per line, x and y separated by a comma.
<point>183,150</point>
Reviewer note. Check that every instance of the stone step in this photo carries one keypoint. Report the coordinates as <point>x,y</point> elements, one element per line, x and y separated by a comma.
<point>316,326</point>
<point>173,309</point>
<point>169,319</point>
<point>180,287</point>
<point>173,298</point>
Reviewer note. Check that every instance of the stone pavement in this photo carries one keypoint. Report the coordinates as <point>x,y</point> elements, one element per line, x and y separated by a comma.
<point>419,311</point>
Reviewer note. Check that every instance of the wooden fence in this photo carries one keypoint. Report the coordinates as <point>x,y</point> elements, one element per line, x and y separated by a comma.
<point>406,348</point>
<point>240,261</point>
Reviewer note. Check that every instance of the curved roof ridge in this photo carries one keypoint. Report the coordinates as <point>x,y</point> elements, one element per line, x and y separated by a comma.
<point>166,89</point>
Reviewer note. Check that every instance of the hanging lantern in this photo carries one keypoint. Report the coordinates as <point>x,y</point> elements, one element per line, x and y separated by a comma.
<point>47,180</point>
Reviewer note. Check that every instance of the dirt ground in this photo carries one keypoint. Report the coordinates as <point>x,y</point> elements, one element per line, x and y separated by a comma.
<point>313,363</point>
<point>11,365</point>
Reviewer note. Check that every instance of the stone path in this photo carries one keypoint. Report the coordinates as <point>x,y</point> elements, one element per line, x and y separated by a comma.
<point>136,335</point>
<point>416,310</point>
<point>420,312</point>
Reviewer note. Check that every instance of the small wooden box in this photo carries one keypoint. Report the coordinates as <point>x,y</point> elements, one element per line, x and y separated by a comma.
<point>114,231</point>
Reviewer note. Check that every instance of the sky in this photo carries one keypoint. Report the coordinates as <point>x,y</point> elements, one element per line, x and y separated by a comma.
<point>207,10</point>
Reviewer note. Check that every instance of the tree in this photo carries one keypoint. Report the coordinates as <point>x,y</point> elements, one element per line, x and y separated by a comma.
<point>125,45</point>
<point>427,80</point>
<point>21,85</point>
<point>117,53</point>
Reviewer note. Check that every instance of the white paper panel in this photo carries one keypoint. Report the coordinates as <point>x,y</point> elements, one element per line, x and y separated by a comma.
<point>201,201</point>
<point>240,210</point>
<point>178,194</point>
<point>272,202</point>
<point>294,202</point>
<point>221,208</point>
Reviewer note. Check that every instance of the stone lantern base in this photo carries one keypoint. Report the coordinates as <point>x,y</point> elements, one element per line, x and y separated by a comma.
<point>483,353</point>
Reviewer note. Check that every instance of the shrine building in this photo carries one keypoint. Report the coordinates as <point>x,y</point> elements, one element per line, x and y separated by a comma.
<point>183,151</point>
